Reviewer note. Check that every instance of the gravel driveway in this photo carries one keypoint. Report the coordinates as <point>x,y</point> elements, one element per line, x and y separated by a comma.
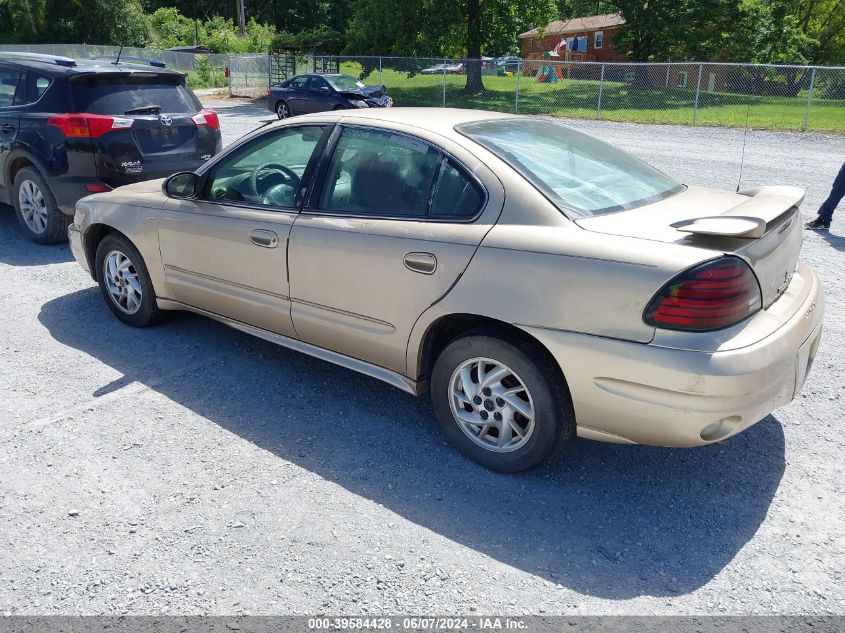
<point>189,468</point>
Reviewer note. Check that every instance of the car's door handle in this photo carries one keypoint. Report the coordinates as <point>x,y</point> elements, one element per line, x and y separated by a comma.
<point>267,239</point>
<point>424,263</point>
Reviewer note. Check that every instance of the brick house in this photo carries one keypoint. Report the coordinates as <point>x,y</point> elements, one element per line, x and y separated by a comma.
<point>588,39</point>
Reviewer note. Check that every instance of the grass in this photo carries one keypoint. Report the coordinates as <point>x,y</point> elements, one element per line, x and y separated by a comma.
<point>578,98</point>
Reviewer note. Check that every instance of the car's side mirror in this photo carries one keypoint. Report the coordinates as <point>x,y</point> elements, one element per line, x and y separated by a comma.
<point>325,89</point>
<point>183,184</point>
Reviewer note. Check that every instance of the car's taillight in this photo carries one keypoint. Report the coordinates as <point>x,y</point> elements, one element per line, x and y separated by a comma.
<point>206,118</point>
<point>711,296</point>
<point>88,125</point>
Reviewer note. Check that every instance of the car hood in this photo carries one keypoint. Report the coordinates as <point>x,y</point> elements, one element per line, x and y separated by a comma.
<point>761,225</point>
<point>366,91</point>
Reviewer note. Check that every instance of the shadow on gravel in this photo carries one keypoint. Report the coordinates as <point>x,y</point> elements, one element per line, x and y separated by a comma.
<point>836,241</point>
<point>16,250</point>
<point>610,521</point>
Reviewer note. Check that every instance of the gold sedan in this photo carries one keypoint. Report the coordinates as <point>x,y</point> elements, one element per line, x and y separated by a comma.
<point>539,283</point>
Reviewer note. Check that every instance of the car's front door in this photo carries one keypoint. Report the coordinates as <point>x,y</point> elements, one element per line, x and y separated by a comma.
<point>12,96</point>
<point>320,95</point>
<point>388,230</point>
<point>226,251</point>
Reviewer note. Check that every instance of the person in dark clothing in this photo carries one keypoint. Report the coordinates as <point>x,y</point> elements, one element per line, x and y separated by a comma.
<point>822,223</point>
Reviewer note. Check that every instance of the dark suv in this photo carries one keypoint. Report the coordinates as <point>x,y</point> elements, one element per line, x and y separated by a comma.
<point>70,128</point>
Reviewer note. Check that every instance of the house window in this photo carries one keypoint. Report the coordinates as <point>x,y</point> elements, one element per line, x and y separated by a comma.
<point>682,79</point>
<point>570,43</point>
<point>582,43</point>
<point>598,39</point>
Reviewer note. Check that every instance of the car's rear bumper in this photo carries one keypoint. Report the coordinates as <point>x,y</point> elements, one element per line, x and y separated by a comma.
<point>646,394</point>
<point>69,189</point>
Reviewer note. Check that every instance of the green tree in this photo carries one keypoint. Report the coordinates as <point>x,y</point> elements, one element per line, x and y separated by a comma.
<point>455,28</point>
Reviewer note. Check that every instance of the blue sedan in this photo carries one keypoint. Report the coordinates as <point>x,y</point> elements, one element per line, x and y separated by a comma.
<point>317,93</point>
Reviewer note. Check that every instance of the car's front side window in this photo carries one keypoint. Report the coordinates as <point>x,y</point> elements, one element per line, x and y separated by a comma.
<point>267,171</point>
<point>380,173</point>
<point>318,83</point>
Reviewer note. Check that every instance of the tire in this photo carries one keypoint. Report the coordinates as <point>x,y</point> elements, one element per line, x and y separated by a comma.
<point>545,396</point>
<point>35,205</point>
<point>282,110</point>
<point>116,249</point>
<point>338,107</point>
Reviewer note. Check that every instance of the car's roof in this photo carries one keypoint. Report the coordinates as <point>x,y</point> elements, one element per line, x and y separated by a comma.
<point>64,66</point>
<point>439,120</point>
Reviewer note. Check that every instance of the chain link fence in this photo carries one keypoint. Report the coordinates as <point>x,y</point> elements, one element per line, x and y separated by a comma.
<point>728,95</point>
<point>714,94</point>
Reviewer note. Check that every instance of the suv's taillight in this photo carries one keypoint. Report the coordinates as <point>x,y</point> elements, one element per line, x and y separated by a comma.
<point>206,118</point>
<point>88,125</point>
<point>711,296</point>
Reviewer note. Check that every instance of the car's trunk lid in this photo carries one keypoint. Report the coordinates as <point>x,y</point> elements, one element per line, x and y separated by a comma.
<point>761,225</point>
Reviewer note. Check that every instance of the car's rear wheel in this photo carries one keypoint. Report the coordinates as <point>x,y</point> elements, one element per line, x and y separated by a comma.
<point>35,205</point>
<point>125,282</point>
<point>282,110</point>
<point>501,401</point>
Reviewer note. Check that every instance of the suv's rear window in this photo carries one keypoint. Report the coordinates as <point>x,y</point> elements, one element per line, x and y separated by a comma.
<point>112,94</point>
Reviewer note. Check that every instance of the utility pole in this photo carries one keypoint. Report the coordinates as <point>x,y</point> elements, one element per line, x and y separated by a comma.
<point>241,16</point>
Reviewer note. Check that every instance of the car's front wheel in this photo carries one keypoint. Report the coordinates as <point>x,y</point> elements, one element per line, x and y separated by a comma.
<point>125,282</point>
<point>501,401</point>
<point>35,205</point>
<point>282,110</point>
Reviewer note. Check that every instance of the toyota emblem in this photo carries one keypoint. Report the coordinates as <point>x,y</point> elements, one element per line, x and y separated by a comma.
<point>166,120</point>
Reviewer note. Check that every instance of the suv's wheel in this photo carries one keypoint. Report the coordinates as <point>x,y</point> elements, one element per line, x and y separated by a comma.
<point>36,208</point>
<point>282,110</point>
<point>125,282</point>
<point>499,401</point>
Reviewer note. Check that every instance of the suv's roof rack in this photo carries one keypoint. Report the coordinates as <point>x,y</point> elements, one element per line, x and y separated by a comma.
<point>130,59</point>
<point>38,57</point>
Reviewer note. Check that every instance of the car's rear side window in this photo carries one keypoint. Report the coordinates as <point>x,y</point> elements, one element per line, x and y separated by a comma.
<point>378,172</point>
<point>393,175</point>
<point>9,80</point>
<point>120,94</point>
<point>298,82</point>
<point>456,195</point>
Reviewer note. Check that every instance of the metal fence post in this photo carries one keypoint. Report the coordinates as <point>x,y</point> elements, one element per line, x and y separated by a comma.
<point>380,80</point>
<point>601,90</point>
<point>518,75</point>
<point>444,83</point>
<point>269,70</point>
<point>809,100</point>
<point>229,78</point>
<point>697,93</point>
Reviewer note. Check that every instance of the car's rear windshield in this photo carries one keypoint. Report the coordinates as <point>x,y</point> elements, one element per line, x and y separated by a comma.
<point>581,175</point>
<point>121,94</point>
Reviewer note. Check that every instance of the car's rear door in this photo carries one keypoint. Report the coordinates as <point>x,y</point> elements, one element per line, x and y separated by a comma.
<point>390,228</point>
<point>226,251</point>
<point>11,87</point>
<point>296,94</point>
<point>157,125</point>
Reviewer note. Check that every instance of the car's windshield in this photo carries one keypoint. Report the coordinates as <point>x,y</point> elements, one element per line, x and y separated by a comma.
<point>344,82</point>
<point>581,175</point>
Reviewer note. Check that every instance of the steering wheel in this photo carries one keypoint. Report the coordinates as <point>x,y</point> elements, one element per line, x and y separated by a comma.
<point>290,176</point>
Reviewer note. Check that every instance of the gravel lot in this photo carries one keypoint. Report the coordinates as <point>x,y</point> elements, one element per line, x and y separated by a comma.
<point>189,468</point>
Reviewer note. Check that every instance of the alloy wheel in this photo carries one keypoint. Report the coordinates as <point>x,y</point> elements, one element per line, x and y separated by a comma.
<point>491,405</point>
<point>33,206</point>
<point>122,282</point>
<point>282,110</point>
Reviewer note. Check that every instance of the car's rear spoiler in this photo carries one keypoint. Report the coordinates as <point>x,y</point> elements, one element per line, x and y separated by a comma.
<point>748,219</point>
